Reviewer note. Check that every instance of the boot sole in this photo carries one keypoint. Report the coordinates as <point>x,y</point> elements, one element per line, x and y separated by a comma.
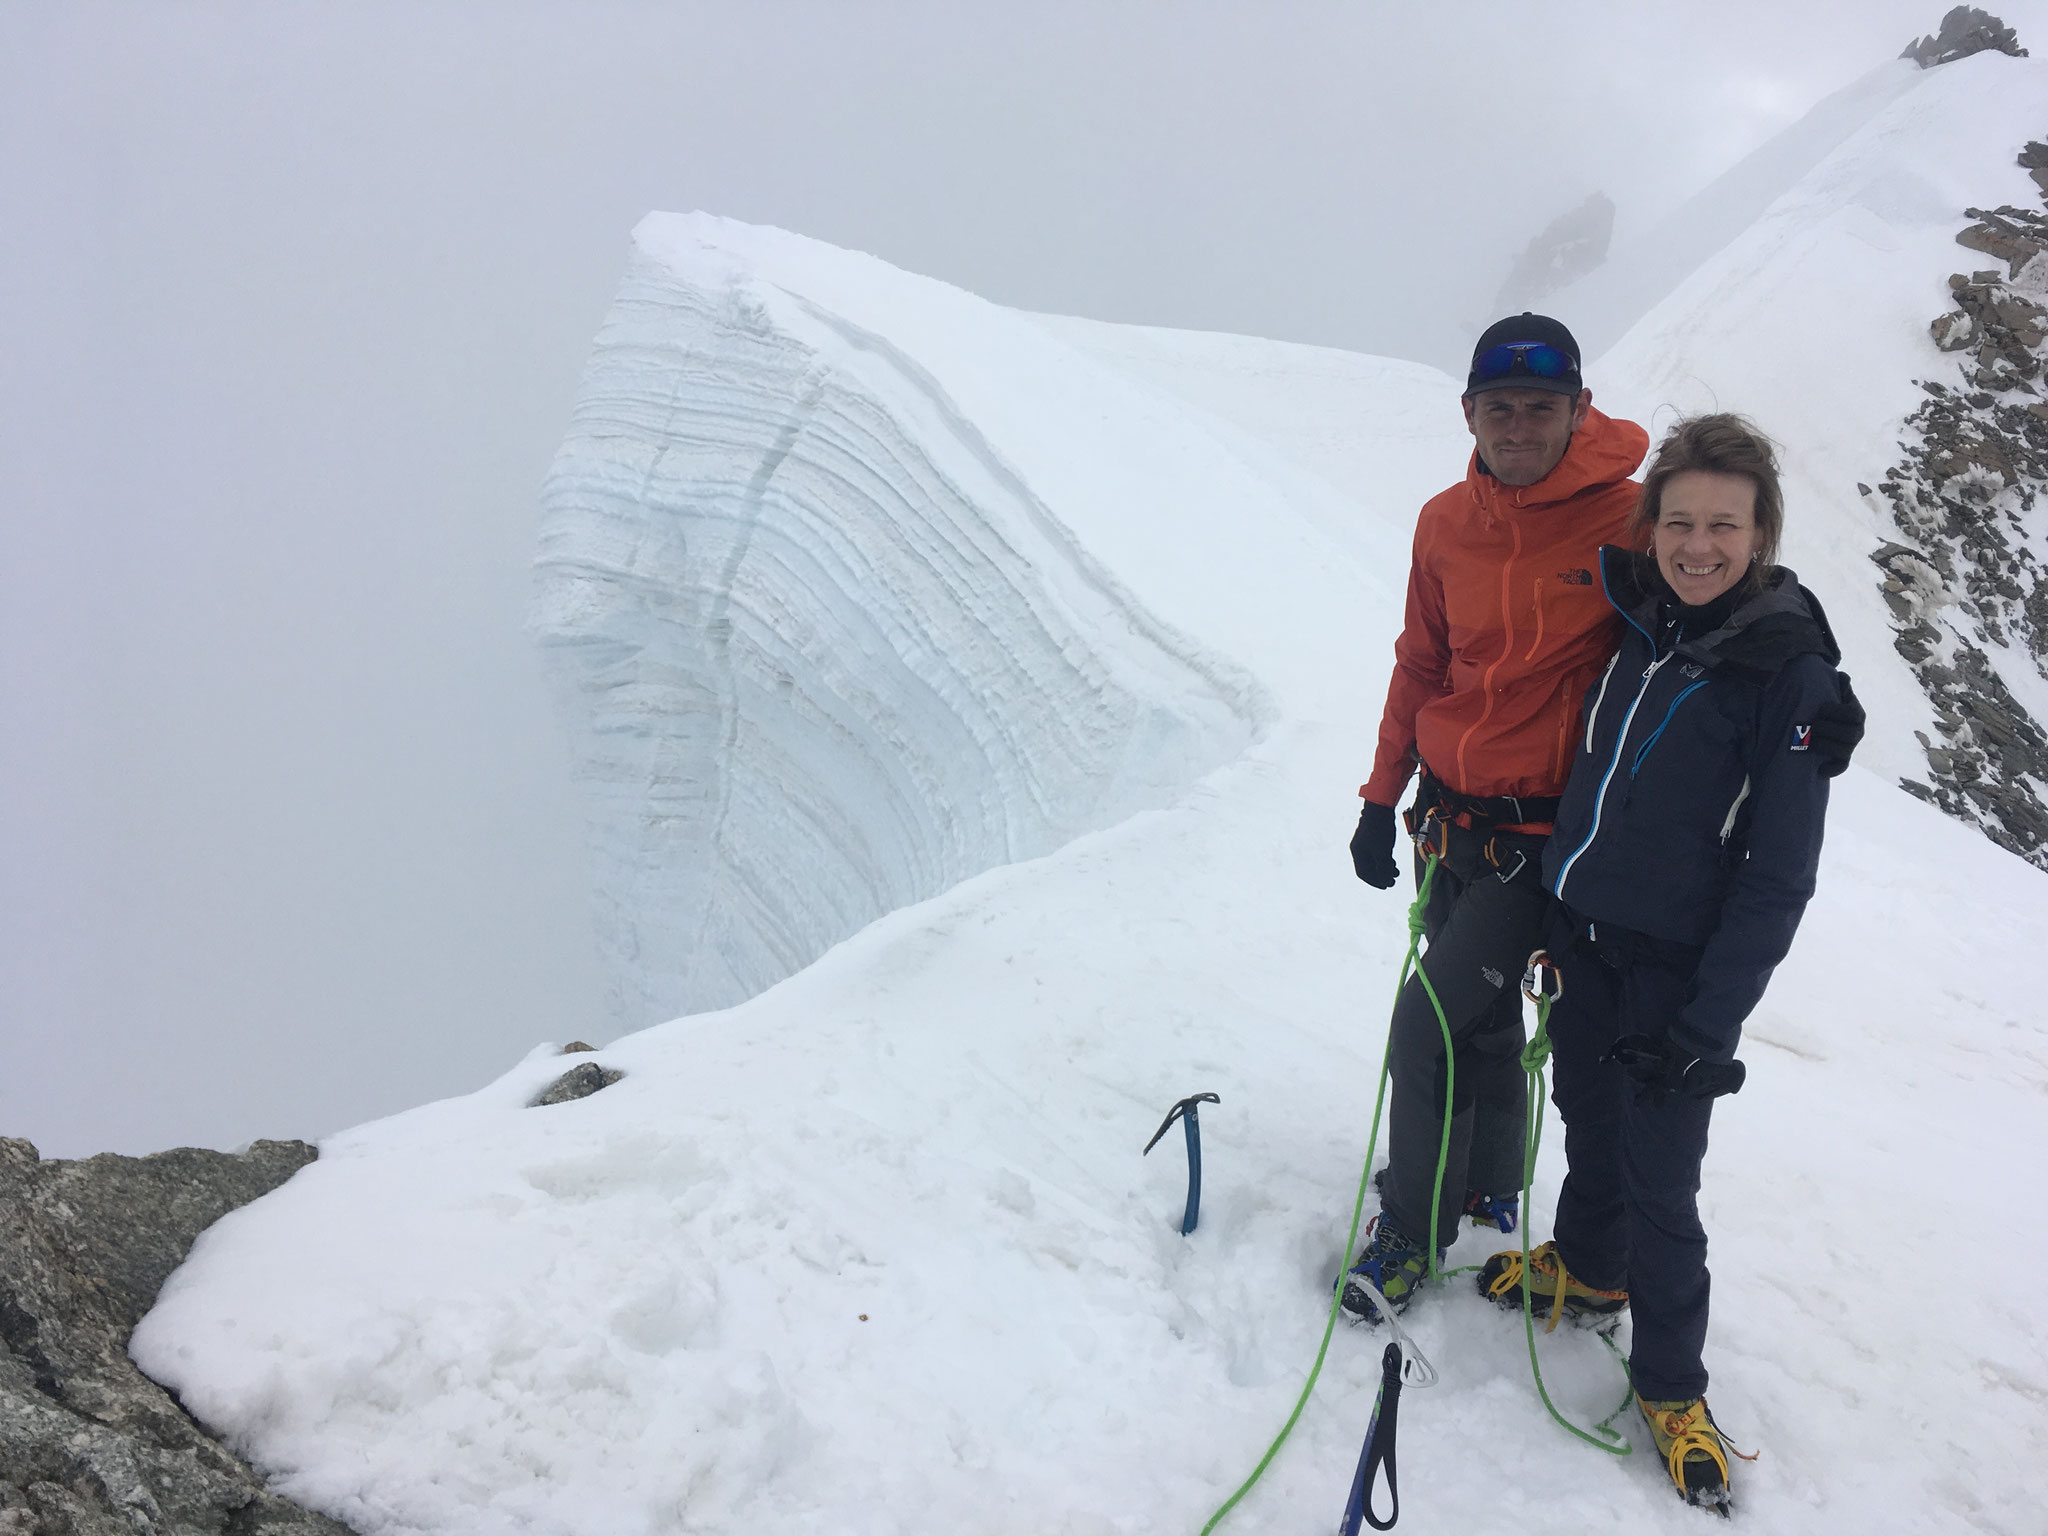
<point>1596,1319</point>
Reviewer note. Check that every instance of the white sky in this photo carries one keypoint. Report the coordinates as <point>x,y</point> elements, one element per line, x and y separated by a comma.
<point>293,301</point>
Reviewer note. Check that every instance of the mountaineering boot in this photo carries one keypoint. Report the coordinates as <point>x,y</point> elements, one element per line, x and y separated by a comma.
<point>1694,1454</point>
<point>1481,1209</point>
<point>1551,1287</point>
<point>1396,1263</point>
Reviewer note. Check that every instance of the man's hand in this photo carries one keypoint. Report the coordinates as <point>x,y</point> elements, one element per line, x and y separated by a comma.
<point>1372,846</point>
<point>1660,1070</point>
<point>1837,728</point>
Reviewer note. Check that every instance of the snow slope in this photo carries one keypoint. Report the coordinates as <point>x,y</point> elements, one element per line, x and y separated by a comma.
<point>1643,268</point>
<point>874,1251</point>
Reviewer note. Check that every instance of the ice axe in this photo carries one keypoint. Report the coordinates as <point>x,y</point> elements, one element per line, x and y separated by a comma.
<point>1184,1112</point>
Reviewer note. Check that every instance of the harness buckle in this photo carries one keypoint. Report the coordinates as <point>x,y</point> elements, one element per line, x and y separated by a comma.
<point>1507,873</point>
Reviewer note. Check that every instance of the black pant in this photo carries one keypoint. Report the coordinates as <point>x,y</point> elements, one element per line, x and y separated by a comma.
<point>1481,929</point>
<point>1629,1212</point>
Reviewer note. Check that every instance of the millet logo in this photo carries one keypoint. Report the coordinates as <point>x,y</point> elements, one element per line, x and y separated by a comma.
<point>1576,578</point>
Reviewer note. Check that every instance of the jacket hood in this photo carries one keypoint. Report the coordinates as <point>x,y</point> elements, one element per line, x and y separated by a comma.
<point>1604,451</point>
<point>1764,630</point>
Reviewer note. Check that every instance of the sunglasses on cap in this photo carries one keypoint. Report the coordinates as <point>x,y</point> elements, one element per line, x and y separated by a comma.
<point>1527,359</point>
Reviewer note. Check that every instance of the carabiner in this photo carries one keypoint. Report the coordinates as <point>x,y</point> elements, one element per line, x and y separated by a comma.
<point>1541,979</point>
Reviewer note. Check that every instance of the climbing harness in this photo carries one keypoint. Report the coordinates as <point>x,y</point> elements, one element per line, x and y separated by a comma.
<point>1184,1111</point>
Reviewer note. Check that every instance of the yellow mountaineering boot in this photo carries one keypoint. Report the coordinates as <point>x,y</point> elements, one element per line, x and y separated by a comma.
<point>1694,1454</point>
<point>1552,1288</point>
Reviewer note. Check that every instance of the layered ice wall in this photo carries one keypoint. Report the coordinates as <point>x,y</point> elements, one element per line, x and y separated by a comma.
<point>821,652</point>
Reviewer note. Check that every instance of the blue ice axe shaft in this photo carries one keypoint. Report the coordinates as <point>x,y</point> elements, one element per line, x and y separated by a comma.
<point>1184,1112</point>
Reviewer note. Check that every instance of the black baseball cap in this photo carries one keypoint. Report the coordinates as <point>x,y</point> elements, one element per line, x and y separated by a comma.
<point>1525,351</point>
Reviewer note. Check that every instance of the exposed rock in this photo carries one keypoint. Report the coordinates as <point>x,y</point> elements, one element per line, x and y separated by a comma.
<point>89,1446</point>
<point>1964,31</point>
<point>2014,235</point>
<point>578,1082</point>
<point>577,1045</point>
<point>2034,161</point>
<point>1971,577</point>
<point>1572,245</point>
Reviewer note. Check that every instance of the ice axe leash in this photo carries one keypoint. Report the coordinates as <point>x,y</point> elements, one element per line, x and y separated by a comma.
<point>1378,1452</point>
<point>1184,1112</point>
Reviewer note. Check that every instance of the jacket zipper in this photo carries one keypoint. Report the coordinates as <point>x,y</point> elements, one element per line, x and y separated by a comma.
<point>1600,795</point>
<point>1507,646</point>
<point>1643,751</point>
<point>1728,826</point>
<point>1594,713</point>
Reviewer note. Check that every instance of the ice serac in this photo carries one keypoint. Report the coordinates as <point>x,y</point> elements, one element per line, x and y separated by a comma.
<point>820,650</point>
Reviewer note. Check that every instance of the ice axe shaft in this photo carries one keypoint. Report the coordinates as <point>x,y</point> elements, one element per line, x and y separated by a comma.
<point>1184,1111</point>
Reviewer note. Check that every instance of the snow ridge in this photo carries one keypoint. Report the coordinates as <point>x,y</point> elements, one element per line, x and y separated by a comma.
<point>822,654</point>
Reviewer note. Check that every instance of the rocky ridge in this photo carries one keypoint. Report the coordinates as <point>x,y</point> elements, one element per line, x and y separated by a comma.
<point>1964,31</point>
<point>89,1446</point>
<point>1967,575</point>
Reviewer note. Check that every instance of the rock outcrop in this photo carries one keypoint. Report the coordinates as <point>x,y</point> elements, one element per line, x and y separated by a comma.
<point>1964,581</point>
<point>576,1083</point>
<point>1964,31</point>
<point>1572,245</point>
<point>89,1446</point>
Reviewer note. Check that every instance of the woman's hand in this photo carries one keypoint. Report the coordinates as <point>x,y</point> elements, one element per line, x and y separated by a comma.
<point>1837,727</point>
<point>1660,1070</point>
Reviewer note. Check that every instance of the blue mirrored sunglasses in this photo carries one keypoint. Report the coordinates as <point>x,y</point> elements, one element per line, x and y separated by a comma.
<point>1535,359</point>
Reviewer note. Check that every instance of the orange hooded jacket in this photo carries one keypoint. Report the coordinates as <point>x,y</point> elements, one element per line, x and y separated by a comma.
<point>1506,623</point>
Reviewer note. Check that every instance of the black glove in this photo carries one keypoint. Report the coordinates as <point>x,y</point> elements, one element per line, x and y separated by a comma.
<point>1837,727</point>
<point>1660,1069</point>
<point>1372,847</point>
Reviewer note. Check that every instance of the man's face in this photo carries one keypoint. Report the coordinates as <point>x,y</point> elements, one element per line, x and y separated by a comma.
<point>1523,433</point>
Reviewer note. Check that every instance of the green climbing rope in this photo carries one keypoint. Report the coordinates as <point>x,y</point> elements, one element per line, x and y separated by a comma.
<point>1534,1055</point>
<point>1408,965</point>
<point>1604,1435</point>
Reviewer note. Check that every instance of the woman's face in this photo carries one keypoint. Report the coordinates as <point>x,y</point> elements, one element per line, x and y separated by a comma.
<point>1706,533</point>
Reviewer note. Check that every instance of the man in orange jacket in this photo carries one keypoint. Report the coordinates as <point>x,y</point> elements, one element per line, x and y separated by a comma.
<point>1506,624</point>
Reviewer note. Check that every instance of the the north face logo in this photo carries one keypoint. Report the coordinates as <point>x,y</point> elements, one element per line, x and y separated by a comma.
<point>1576,578</point>
<point>1802,738</point>
<point>1493,977</point>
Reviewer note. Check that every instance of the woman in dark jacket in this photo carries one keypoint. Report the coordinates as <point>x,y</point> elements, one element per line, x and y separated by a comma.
<point>1684,853</point>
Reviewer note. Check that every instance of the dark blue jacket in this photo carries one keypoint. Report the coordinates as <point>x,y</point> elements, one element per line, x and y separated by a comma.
<point>1695,808</point>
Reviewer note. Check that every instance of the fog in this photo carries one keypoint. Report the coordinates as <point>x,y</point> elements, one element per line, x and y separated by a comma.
<point>293,301</point>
